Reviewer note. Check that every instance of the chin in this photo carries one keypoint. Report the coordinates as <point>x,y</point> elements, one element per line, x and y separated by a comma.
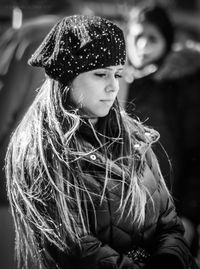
<point>101,115</point>
<point>138,65</point>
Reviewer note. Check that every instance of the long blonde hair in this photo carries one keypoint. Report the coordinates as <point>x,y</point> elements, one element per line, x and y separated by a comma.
<point>45,181</point>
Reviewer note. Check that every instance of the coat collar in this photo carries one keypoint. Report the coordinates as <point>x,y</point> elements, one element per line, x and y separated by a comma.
<point>183,60</point>
<point>142,136</point>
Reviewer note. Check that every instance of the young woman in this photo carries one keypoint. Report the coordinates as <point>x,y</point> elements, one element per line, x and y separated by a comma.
<point>84,185</point>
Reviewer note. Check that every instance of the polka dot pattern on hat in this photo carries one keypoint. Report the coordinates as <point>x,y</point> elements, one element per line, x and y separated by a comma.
<point>77,44</point>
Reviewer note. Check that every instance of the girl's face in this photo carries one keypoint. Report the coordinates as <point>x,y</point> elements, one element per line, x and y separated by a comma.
<point>95,91</point>
<point>145,44</point>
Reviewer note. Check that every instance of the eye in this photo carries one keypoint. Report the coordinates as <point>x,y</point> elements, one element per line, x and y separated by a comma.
<point>137,38</point>
<point>152,39</point>
<point>118,75</point>
<point>100,74</point>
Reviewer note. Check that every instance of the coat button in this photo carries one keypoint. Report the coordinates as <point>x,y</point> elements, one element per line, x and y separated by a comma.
<point>93,157</point>
<point>136,145</point>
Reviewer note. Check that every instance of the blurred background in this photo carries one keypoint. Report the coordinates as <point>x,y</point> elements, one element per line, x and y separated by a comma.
<point>23,25</point>
<point>185,13</point>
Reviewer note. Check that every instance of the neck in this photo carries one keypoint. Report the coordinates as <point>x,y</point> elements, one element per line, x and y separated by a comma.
<point>92,120</point>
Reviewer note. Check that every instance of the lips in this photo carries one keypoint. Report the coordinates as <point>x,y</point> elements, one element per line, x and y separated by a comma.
<point>107,102</point>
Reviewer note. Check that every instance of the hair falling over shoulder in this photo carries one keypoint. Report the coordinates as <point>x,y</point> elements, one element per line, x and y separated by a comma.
<point>45,181</point>
<point>37,165</point>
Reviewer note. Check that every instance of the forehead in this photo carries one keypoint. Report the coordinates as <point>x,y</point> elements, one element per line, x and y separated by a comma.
<point>143,28</point>
<point>110,68</point>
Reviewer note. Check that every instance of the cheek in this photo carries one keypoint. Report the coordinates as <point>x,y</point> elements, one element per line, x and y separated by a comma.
<point>159,50</point>
<point>79,90</point>
<point>90,100</point>
<point>131,50</point>
<point>130,43</point>
<point>74,96</point>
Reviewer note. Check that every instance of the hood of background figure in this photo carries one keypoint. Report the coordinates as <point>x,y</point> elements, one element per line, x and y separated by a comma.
<point>78,44</point>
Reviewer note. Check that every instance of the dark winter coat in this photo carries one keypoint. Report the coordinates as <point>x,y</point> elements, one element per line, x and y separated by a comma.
<point>169,101</point>
<point>113,237</point>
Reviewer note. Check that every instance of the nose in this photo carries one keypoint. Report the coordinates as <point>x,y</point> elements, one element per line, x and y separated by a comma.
<point>142,43</point>
<point>112,86</point>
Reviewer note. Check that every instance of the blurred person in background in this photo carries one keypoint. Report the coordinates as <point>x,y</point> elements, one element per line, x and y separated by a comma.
<point>149,40</point>
<point>163,91</point>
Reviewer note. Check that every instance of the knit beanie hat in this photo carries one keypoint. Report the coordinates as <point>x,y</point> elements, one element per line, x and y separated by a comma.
<point>77,44</point>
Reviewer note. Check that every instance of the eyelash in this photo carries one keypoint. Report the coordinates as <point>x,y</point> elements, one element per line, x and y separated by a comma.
<point>102,75</point>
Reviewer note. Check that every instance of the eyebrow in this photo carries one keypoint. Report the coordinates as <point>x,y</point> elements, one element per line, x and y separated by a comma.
<point>109,68</point>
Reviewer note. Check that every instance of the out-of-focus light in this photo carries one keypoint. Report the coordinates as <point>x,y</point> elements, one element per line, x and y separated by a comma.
<point>87,11</point>
<point>17,18</point>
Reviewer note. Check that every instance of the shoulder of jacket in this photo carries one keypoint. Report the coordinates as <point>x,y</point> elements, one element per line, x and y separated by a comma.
<point>142,132</point>
<point>184,60</point>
